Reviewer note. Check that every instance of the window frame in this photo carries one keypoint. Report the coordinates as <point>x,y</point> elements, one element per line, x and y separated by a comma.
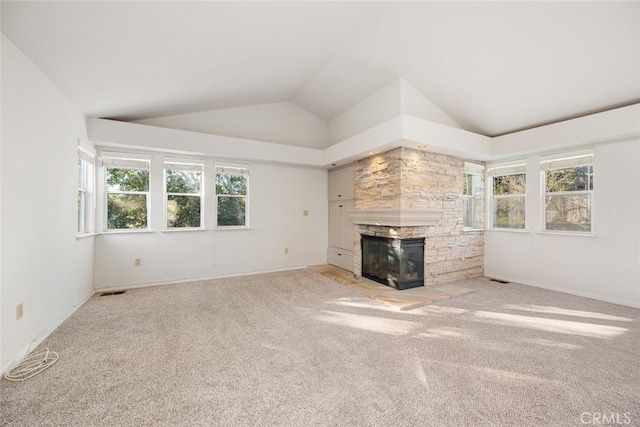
<point>476,172</point>
<point>86,189</point>
<point>567,160</point>
<point>232,169</point>
<point>518,167</point>
<point>187,166</point>
<point>125,161</point>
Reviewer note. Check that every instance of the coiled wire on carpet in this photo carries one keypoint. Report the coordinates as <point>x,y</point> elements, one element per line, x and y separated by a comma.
<point>32,365</point>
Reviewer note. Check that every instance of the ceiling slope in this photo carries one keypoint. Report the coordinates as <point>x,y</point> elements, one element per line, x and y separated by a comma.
<point>492,67</point>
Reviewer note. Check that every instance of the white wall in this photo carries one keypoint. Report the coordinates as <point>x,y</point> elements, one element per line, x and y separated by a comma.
<point>44,266</point>
<point>278,196</point>
<point>377,108</point>
<point>144,137</point>
<point>617,124</point>
<point>397,98</point>
<point>606,266</point>
<point>279,122</point>
<point>1,179</point>
<point>414,103</point>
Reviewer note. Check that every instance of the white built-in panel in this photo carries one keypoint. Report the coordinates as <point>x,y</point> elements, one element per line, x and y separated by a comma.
<point>341,184</point>
<point>346,225</point>
<point>347,178</point>
<point>346,260</point>
<point>340,224</point>
<point>340,258</point>
<point>335,221</point>
<point>334,185</point>
<point>333,257</point>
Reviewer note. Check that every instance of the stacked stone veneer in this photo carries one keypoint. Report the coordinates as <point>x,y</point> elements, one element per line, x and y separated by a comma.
<point>411,179</point>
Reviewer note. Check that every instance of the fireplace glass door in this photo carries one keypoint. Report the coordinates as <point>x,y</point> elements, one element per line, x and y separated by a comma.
<point>398,263</point>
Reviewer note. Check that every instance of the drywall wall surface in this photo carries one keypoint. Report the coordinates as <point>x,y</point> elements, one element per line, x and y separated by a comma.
<point>604,266</point>
<point>1,117</point>
<point>444,139</point>
<point>398,97</point>
<point>280,122</point>
<point>614,125</point>
<point>278,197</point>
<point>415,103</point>
<point>44,266</point>
<point>118,134</point>
<point>373,110</point>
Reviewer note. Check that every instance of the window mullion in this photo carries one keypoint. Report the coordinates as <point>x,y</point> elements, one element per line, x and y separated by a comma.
<point>126,192</point>
<point>568,193</point>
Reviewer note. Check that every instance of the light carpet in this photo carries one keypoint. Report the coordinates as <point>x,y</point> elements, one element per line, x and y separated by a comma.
<point>298,349</point>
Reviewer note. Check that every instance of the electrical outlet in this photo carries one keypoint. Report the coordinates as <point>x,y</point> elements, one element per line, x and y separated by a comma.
<point>305,213</point>
<point>19,311</point>
<point>286,250</point>
<point>138,262</point>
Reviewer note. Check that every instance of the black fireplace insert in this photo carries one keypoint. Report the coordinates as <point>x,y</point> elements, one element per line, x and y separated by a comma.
<point>398,263</point>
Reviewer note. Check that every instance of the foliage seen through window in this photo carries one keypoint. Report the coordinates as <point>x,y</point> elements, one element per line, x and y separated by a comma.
<point>231,191</point>
<point>127,198</point>
<point>568,198</point>
<point>184,201</point>
<point>509,201</point>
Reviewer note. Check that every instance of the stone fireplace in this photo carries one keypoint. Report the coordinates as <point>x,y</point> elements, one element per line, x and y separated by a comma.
<point>412,194</point>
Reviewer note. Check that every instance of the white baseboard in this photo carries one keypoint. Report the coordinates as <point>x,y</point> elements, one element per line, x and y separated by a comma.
<point>43,335</point>
<point>563,290</point>
<point>117,288</point>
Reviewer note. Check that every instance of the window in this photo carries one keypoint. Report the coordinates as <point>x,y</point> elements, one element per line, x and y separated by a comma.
<point>86,163</point>
<point>127,193</point>
<point>232,186</point>
<point>472,196</point>
<point>568,191</point>
<point>183,189</point>
<point>508,187</point>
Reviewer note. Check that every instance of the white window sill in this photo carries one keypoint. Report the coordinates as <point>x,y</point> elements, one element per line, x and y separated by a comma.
<point>565,233</point>
<point>231,227</point>
<point>471,230</point>
<point>85,235</point>
<point>509,230</point>
<point>182,229</point>
<point>128,231</point>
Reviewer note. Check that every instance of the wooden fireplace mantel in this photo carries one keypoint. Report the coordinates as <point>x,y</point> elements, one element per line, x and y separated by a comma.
<point>396,217</point>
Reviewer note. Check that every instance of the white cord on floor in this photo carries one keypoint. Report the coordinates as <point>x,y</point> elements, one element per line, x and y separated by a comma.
<point>32,365</point>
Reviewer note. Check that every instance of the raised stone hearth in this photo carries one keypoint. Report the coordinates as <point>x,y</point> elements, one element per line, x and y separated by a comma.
<point>398,300</point>
<point>408,193</point>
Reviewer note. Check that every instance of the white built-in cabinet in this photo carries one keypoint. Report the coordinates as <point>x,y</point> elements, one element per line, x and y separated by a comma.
<point>341,184</point>
<point>340,224</point>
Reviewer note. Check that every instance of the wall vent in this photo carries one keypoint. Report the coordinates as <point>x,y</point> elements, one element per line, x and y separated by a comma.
<point>107,294</point>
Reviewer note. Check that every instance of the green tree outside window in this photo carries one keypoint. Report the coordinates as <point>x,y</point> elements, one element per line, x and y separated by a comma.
<point>231,191</point>
<point>126,198</point>
<point>509,201</point>
<point>184,201</point>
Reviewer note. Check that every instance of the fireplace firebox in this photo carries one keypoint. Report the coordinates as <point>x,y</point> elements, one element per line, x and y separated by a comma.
<point>398,263</point>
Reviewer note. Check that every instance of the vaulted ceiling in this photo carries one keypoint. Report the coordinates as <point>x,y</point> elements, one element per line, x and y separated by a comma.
<point>494,67</point>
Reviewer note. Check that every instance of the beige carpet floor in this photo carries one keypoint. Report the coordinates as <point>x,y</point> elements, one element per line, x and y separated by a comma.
<point>299,349</point>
